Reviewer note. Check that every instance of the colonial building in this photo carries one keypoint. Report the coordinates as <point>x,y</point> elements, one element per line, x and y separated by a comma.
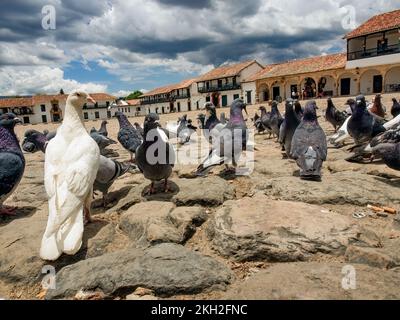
<point>171,98</point>
<point>223,85</point>
<point>371,65</point>
<point>51,108</point>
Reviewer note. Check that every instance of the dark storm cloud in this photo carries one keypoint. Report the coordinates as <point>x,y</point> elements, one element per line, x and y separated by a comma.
<point>198,4</point>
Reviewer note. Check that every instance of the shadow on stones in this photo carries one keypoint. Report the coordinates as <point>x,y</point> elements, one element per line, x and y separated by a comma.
<point>112,199</point>
<point>20,213</point>
<point>91,230</point>
<point>159,194</point>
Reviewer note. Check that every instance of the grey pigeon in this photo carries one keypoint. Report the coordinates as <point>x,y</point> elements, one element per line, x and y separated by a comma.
<point>103,128</point>
<point>223,118</point>
<point>232,140</point>
<point>363,125</point>
<point>266,119</point>
<point>109,170</point>
<point>309,147</point>
<point>334,116</point>
<point>395,111</point>
<point>102,141</point>
<point>139,129</point>
<point>209,122</point>
<point>12,161</point>
<point>290,125</point>
<point>275,119</point>
<point>298,109</point>
<point>185,130</point>
<point>389,153</point>
<point>155,157</point>
<point>258,124</point>
<point>129,137</point>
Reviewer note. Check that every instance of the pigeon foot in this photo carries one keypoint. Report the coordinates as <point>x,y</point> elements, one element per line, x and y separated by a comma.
<point>8,211</point>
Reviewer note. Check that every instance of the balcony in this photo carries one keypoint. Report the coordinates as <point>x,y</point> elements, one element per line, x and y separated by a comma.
<point>182,96</point>
<point>374,52</point>
<point>230,86</point>
<point>93,107</point>
<point>159,100</point>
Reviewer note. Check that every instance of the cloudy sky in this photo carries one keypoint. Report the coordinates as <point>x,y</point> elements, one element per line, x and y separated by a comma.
<point>121,45</point>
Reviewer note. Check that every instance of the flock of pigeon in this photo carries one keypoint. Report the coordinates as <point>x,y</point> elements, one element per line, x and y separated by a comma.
<point>78,163</point>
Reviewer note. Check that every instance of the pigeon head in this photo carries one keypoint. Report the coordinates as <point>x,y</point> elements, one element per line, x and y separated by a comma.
<point>9,120</point>
<point>151,121</point>
<point>289,105</point>
<point>274,105</point>
<point>79,98</point>
<point>45,132</point>
<point>34,141</point>
<point>210,109</point>
<point>104,122</point>
<point>394,100</point>
<point>330,103</point>
<point>310,111</point>
<point>262,109</point>
<point>361,104</point>
<point>237,106</point>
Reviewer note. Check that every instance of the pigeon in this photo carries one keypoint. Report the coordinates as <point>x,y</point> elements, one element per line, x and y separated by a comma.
<point>12,161</point>
<point>210,123</point>
<point>49,135</point>
<point>139,129</point>
<point>103,128</point>
<point>258,124</point>
<point>231,141</point>
<point>298,109</point>
<point>155,157</point>
<point>291,123</point>
<point>71,163</point>
<point>389,153</point>
<point>275,119</point>
<point>266,119</point>
<point>309,147</point>
<point>109,169</point>
<point>334,116</point>
<point>128,136</point>
<point>102,141</point>
<point>363,125</point>
<point>185,130</point>
<point>395,111</point>
<point>223,118</point>
<point>377,108</point>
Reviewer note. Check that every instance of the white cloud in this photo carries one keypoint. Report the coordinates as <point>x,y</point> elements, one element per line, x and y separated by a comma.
<point>42,79</point>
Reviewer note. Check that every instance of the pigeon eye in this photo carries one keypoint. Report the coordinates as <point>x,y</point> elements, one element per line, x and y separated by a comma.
<point>78,94</point>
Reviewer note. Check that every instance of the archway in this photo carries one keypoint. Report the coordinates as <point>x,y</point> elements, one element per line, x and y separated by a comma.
<point>347,84</point>
<point>308,88</point>
<point>56,112</point>
<point>371,82</point>
<point>392,80</point>
<point>215,99</point>
<point>292,89</point>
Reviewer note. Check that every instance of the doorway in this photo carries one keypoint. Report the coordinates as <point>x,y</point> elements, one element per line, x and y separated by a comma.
<point>248,93</point>
<point>276,92</point>
<point>345,87</point>
<point>179,106</point>
<point>224,101</point>
<point>377,84</point>
<point>189,106</point>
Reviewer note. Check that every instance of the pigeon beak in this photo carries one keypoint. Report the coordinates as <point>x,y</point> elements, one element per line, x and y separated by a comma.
<point>90,99</point>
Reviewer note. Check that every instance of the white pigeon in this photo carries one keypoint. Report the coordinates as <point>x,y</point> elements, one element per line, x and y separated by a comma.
<point>71,164</point>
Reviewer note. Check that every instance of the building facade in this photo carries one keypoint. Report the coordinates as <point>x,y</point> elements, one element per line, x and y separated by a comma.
<point>371,65</point>
<point>51,108</point>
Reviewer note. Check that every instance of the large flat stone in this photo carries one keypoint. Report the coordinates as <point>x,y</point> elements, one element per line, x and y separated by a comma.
<point>317,281</point>
<point>262,229</point>
<point>154,222</point>
<point>167,269</point>
<point>340,188</point>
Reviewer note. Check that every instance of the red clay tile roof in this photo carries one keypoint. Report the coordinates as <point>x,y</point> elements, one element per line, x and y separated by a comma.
<point>167,89</point>
<point>381,22</point>
<point>313,64</point>
<point>42,99</point>
<point>133,102</point>
<point>226,71</point>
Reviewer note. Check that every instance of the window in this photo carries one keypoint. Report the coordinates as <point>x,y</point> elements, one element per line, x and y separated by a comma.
<point>43,107</point>
<point>44,118</point>
<point>26,120</point>
<point>235,96</point>
<point>138,109</point>
<point>129,110</point>
<point>208,99</point>
<point>97,115</point>
<point>85,116</point>
<point>224,101</point>
<point>107,104</point>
